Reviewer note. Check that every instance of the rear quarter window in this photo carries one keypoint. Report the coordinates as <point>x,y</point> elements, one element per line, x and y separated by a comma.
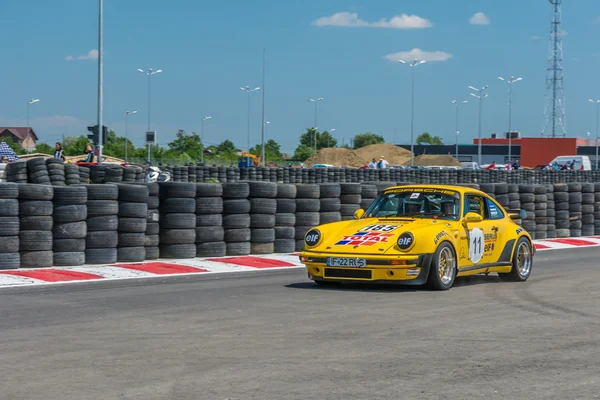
<point>493,210</point>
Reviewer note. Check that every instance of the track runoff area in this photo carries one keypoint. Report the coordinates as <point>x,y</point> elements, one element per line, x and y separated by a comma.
<point>221,265</point>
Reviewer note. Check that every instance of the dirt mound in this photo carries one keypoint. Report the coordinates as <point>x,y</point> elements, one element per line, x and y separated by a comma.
<point>393,154</point>
<point>336,157</point>
<point>425,160</point>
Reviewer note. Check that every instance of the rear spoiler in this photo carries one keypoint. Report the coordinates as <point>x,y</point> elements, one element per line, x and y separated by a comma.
<point>517,214</point>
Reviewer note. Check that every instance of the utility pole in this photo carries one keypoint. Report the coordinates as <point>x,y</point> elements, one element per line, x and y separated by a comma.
<point>262,133</point>
<point>457,104</point>
<point>510,81</point>
<point>481,95</point>
<point>100,79</point>
<point>412,106</point>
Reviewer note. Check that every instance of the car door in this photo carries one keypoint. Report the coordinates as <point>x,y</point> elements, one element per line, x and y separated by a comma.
<point>481,240</point>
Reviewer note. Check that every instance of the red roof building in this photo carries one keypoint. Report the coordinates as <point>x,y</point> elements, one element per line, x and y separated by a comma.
<point>20,135</point>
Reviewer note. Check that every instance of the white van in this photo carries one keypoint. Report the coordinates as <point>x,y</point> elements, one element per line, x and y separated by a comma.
<point>579,162</point>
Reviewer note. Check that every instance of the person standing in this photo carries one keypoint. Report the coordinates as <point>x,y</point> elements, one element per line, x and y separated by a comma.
<point>90,153</point>
<point>58,151</point>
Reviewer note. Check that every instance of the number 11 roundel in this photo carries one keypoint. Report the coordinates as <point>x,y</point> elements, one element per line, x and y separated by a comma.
<point>476,245</point>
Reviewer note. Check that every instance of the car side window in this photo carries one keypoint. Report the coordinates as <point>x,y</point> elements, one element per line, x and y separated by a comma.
<point>493,210</point>
<point>475,204</point>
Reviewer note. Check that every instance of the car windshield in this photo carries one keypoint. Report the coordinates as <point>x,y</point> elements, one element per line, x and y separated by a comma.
<point>416,203</point>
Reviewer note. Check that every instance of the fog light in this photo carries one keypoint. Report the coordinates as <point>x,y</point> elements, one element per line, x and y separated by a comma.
<point>390,273</point>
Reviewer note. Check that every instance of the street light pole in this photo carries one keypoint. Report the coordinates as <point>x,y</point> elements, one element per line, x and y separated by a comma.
<point>263,156</point>
<point>32,101</point>
<point>150,72</point>
<point>316,101</point>
<point>597,103</point>
<point>248,91</point>
<point>481,95</point>
<point>510,81</point>
<point>100,77</point>
<point>329,136</point>
<point>412,65</point>
<point>202,136</point>
<point>126,128</point>
<point>457,104</point>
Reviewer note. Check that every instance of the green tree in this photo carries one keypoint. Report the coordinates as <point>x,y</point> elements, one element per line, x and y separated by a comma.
<point>425,137</point>
<point>115,146</point>
<point>366,139</point>
<point>75,146</point>
<point>13,145</point>
<point>303,152</point>
<point>187,143</point>
<point>307,142</point>
<point>272,150</point>
<point>44,148</point>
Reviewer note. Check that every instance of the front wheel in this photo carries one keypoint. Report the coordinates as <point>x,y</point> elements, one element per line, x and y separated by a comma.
<point>522,262</point>
<point>443,268</point>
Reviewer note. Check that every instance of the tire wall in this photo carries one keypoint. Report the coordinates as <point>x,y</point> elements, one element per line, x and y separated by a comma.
<point>127,221</point>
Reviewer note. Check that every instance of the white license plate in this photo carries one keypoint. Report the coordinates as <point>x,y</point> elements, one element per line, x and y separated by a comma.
<point>346,262</point>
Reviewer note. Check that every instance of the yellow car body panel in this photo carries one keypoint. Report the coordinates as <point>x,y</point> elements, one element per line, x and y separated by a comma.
<point>374,243</point>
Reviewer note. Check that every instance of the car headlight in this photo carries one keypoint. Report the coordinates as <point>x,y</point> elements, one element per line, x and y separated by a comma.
<point>406,241</point>
<point>313,237</point>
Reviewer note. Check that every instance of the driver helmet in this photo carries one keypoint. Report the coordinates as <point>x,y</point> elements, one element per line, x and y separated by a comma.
<point>448,208</point>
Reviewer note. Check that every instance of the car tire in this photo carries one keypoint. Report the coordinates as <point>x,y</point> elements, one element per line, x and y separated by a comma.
<point>444,253</point>
<point>520,273</point>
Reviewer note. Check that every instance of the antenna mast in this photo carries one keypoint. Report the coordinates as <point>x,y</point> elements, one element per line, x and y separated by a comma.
<point>554,109</point>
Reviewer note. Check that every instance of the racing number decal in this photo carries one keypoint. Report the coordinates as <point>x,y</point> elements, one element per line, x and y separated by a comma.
<point>476,245</point>
<point>379,228</point>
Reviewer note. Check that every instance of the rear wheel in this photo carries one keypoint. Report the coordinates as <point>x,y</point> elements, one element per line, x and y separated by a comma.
<point>443,268</point>
<point>522,262</point>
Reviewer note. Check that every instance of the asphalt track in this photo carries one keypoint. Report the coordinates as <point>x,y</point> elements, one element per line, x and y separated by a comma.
<point>278,336</point>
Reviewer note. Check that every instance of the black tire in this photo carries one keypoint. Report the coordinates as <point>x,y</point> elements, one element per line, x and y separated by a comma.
<point>10,261</point>
<point>333,204</point>
<point>9,207</point>
<point>351,188</point>
<point>178,205</point>
<point>209,190</point>
<point>68,245</point>
<point>434,282</point>
<point>284,246</point>
<point>285,232</point>
<point>133,210</point>
<point>131,239</point>
<point>9,190</point>
<point>131,254</point>
<point>329,217</point>
<point>236,235</point>
<point>286,205</point>
<point>102,240</point>
<point>132,225</point>
<point>68,259</point>
<point>177,250</point>
<point>262,248</point>
<point>209,220</point>
<point>329,190</point>
<point>262,235</point>
<point>236,190</point>
<point>153,202</point>
<point>211,249</point>
<point>102,192</point>
<point>308,205</point>
<point>262,220</point>
<point>133,193</point>
<point>69,213</point>
<point>177,190</point>
<point>307,218</point>
<point>307,191</point>
<point>209,234</point>
<point>36,207</point>
<point>178,236</point>
<point>263,206</point>
<point>262,189</point>
<point>71,195</point>
<point>34,241</point>
<point>349,209</point>
<point>236,206</point>
<point>209,205</point>
<point>102,223</point>
<point>350,199</point>
<point>70,230</point>
<point>237,249</point>
<point>9,244</point>
<point>285,219</point>
<point>35,223</point>
<point>152,228</point>
<point>177,221</point>
<point>151,241</point>
<point>101,256</point>
<point>9,226</point>
<point>516,275</point>
<point>236,221</point>
<point>152,253</point>
<point>37,259</point>
<point>29,191</point>
<point>286,191</point>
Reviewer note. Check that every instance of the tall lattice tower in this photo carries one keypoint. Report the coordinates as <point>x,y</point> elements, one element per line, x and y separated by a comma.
<point>554,110</point>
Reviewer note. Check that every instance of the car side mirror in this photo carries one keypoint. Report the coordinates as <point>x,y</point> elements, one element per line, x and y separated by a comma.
<point>358,214</point>
<point>473,217</point>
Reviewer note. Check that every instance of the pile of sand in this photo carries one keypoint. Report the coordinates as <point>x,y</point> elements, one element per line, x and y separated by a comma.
<point>393,154</point>
<point>338,157</point>
<point>432,159</point>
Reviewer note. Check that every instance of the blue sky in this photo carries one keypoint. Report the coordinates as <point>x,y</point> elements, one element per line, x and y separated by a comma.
<point>208,49</point>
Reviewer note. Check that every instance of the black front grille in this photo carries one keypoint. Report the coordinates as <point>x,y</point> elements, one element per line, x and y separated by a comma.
<point>348,273</point>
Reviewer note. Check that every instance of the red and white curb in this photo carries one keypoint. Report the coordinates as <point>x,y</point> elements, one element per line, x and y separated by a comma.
<point>161,268</point>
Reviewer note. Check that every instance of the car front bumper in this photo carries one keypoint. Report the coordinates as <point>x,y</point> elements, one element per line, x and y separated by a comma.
<point>406,270</point>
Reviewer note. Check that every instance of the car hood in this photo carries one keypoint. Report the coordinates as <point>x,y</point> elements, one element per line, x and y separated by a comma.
<point>372,235</point>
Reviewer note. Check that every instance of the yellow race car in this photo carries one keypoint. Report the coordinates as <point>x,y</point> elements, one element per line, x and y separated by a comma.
<point>421,235</point>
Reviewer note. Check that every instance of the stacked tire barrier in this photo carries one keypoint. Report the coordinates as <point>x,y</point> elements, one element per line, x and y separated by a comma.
<point>56,171</point>
<point>70,225</point>
<point>35,209</point>
<point>210,235</point>
<point>330,203</point>
<point>527,199</point>
<point>350,198</point>
<point>561,210</point>
<point>308,206</point>
<point>133,221</point>
<point>368,194</point>
<point>72,171</point>
<point>575,198</point>
<point>113,174</point>
<point>596,208</point>
<point>17,172</point>
<point>587,209</point>
<point>263,206</point>
<point>37,171</point>
<point>9,226</point>
<point>102,238</point>
<point>152,223</point>
<point>285,219</point>
<point>236,218</point>
<point>550,219</point>
<point>177,198</point>
<point>540,199</point>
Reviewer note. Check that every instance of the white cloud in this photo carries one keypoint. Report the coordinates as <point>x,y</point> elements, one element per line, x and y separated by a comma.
<point>347,19</point>
<point>419,54</point>
<point>91,55</point>
<point>479,19</point>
